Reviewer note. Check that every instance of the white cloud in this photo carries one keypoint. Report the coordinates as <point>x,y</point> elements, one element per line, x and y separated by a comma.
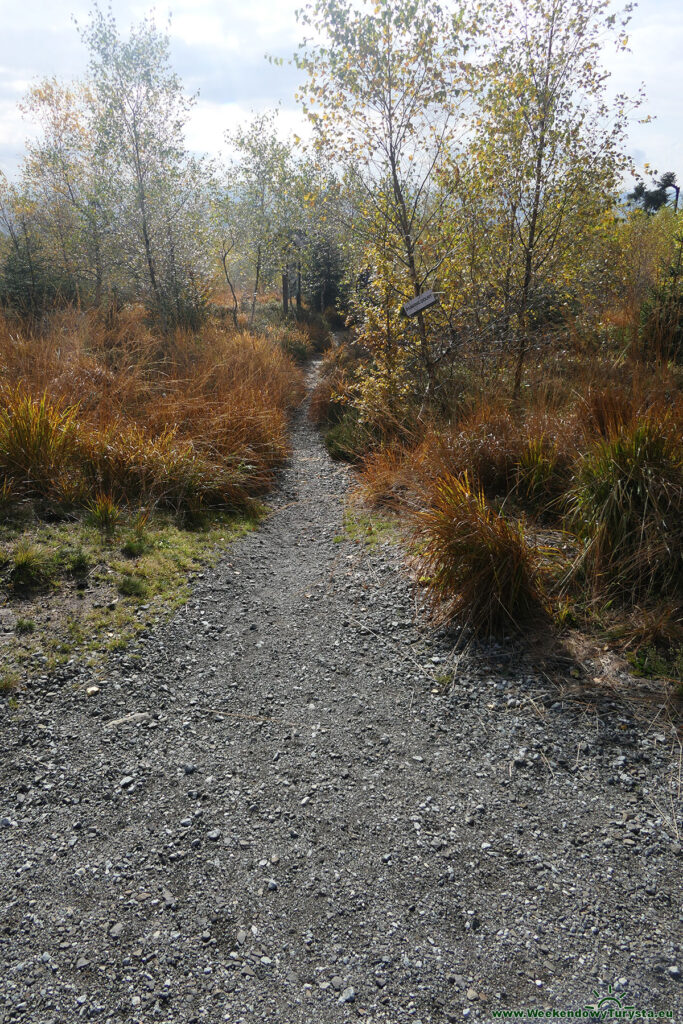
<point>205,132</point>
<point>218,46</point>
<point>655,59</point>
<point>204,29</point>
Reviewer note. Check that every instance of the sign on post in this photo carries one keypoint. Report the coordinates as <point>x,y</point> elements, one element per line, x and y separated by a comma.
<point>419,303</point>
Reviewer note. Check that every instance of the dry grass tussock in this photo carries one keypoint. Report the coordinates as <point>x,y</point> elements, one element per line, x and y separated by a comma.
<point>479,565</point>
<point>595,464</point>
<point>93,406</point>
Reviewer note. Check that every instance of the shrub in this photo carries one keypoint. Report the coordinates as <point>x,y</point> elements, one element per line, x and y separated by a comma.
<point>543,474</point>
<point>104,513</point>
<point>79,563</point>
<point>294,340</point>
<point>661,322</point>
<point>37,440</point>
<point>627,505</point>
<point>317,329</point>
<point>391,477</point>
<point>225,395</point>
<point>349,439</point>
<point>487,447</point>
<point>30,567</point>
<point>330,398</point>
<point>8,681</point>
<point>325,408</point>
<point>135,546</point>
<point>480,571</point>
<point>608,410</point>
<point>133,586</point>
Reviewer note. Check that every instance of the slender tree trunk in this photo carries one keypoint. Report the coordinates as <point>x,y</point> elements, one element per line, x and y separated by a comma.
<point>412,271</point>
<point>298,291</point>
<point>523,326</point>
<point>507,282</point>
<point>224,259</point>
<point>144,219</point>
<point>256,284</point>
<point>173,275</point>
<point>285,291</point>
<point>31,268</point>
<point>98,275</point>
<point>530,245</point>
<point>148,251</point>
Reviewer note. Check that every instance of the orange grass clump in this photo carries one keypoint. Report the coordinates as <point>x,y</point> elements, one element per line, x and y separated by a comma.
<point>188,421</point>
<point>478,567</point>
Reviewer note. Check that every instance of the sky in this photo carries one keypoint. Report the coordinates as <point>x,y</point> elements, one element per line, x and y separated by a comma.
<point>219,47</point>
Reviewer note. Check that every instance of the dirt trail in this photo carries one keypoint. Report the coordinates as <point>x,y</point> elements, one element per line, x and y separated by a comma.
<point>295,827</point>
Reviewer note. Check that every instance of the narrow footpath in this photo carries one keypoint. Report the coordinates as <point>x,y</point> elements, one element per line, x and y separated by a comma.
<point>273,810</point>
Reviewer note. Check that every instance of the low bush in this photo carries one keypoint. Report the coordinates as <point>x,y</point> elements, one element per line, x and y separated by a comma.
<point>391,477</point>
<point>104,513</point>
<point>317,328</point>
<point>37,440</point>
<point>135,546</point>
<point>608,410</point>
<point>131,585</point>
<point>487,446</point>
<point>531,463</point>
<point>78,563</point>
<point>627,505</point>
<point>478,567</point>
<point>294,339</point>
<point>30,568</point>
<point>325,409</point>
<point>543,474</point>
<point>350,440</point>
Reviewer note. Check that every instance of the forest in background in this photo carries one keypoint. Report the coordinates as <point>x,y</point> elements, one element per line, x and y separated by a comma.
<point>527,426</point>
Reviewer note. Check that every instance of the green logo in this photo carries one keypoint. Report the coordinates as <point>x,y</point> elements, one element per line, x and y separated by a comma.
<point>610,1007</point>
<point>606,1005</point>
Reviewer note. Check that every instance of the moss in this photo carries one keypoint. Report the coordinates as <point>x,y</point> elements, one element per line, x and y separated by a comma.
<point>100,596</point>
<point>368,528</point>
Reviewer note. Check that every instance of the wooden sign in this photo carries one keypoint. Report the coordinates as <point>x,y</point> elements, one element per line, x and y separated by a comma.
<point>419,303</point>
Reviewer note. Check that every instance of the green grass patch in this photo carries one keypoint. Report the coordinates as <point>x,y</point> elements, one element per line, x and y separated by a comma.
<point>31,567</point>
<point>97,587</point>
<point>131,585</point>
<point>349,439</point>
<point>654,663</point>
<point>135,546</point>
<point>9,680</point>
<point>368,528</point>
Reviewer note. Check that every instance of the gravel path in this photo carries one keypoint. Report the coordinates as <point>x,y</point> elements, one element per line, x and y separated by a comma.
<point>271,811</point>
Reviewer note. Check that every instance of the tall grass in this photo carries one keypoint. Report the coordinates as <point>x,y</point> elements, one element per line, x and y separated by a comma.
<point>478,567</point>
<point>627,504</point>
<point>37,439</point>
<point>188,421</point>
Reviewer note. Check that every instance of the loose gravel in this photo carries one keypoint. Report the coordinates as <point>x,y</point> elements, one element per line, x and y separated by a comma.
<point>274,809</point>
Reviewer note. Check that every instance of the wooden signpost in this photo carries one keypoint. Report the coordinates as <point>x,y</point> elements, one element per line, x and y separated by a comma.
<point>419,303</point>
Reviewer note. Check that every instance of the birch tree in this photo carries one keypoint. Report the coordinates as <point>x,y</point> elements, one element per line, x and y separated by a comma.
<point>382,94</point>
<point>549,143</point>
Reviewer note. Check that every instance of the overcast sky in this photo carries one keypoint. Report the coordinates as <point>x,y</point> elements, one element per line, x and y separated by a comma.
<point>219,48</point>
